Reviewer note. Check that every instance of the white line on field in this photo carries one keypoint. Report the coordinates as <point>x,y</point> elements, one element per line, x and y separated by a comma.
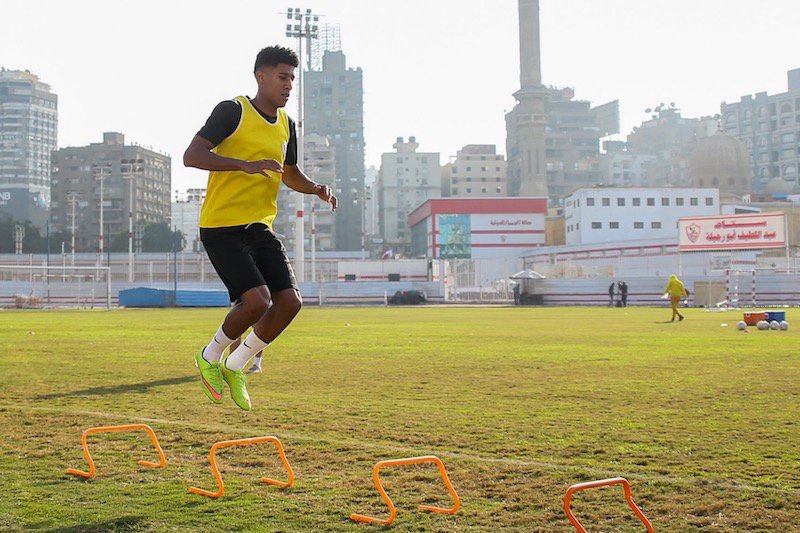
<point>386,446</point>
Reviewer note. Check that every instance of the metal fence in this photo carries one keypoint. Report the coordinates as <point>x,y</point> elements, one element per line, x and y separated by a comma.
<point>36,286</point>
<point>28,281</point>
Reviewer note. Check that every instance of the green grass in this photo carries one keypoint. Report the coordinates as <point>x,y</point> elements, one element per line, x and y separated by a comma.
<point>518,403</point>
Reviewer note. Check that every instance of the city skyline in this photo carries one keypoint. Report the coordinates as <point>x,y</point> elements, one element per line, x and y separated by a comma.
<point>443,72</point>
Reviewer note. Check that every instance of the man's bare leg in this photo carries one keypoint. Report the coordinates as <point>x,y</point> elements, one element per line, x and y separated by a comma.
<point>251,307</point>
<point>285,306</point>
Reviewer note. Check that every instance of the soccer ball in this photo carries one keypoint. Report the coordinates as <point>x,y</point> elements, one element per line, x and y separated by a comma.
<point>784,325</point>
<point>741,326</point>
<point>774,325</point>
<point>762,325</point>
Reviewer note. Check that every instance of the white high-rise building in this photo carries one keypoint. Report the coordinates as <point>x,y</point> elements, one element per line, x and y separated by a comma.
<point>406,179</point>
<point>476,171</point>
<point>28,135</point>
<point>769,127</point>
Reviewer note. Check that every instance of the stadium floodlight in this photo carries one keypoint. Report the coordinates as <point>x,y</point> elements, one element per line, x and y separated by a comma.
<point>306,30</point>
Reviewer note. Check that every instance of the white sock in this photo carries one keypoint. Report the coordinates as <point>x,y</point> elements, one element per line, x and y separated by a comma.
<point>241,355</point>
<point>213,352</point>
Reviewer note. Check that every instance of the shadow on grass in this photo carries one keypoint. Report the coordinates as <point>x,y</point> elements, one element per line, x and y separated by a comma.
<point>145,386</point>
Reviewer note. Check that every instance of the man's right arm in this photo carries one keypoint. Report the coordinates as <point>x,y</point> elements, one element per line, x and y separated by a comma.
<point>222,123</point>
<point>199,155</point>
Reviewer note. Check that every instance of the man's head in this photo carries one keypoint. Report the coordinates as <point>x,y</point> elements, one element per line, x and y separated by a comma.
<point>274,72</point>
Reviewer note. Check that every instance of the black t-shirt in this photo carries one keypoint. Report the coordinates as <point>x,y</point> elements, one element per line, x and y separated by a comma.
<point>224,119</point>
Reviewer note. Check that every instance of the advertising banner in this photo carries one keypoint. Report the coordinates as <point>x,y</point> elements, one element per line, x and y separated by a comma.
<point>455,236</point>
<point>734,232</point>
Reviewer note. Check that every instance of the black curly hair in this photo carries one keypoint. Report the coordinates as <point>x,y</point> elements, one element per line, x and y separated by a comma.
<point>275,55</point>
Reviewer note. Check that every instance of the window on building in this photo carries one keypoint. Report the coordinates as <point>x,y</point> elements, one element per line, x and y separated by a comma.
<point>606,202</point>
<point>655,225</point>
<point>678,201</point>
<point>692,201</point>
<point>469,169</point>
<point>469,190</point>
<point>709,201</point>
<point>613,225</point>
<point>483,189</point>
<point>637,202</point>
<point>620,202</point>
<point>651,202</point>
<point>590,202</point>
<point>454,170</point>
<point>665,202</point>
<point>498,190</point>
<point>638,225</point>
<point>597,225</point>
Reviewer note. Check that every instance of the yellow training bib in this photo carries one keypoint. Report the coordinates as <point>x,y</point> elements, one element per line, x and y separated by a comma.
<point>234,198</point>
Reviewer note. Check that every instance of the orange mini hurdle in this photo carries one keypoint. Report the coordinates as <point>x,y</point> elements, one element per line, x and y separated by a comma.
<point>243,442</point>
<point>88,456</point>
<point>603,483</point>
<point>409,461</point>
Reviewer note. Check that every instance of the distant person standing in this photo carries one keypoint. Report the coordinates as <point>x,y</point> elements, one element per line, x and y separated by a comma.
<point>623,289</point>
<point>611,295</point>
<point>676,291</point>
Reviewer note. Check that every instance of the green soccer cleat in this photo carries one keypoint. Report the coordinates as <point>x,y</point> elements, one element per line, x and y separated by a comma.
<point>210,376</point>
<point>237,383</point>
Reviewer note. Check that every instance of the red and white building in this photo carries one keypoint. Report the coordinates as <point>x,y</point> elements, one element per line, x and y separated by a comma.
<point>477,228</point>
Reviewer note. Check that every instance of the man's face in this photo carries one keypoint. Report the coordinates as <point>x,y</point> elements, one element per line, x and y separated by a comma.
<point>276,83</point>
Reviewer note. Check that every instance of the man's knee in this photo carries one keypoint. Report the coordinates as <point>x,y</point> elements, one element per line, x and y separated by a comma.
<point>289,303</point>
<point>255,306</point>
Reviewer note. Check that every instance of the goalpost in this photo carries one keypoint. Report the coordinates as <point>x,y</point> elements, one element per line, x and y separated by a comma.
<point>37,286</point>
<point>740,287</point>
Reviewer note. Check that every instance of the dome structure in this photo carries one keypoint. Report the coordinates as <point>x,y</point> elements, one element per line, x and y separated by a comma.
<point>721,161</point>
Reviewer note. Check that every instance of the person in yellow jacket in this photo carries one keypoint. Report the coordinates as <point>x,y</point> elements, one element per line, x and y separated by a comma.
<point>676,291</point>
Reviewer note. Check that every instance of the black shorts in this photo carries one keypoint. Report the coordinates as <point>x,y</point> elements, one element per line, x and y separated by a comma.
<point>248,256</point>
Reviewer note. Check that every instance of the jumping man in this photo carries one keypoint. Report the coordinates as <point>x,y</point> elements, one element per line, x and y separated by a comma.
<point>249,146</point>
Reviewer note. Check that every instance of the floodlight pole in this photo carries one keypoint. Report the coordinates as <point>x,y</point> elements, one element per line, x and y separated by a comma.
<point>129,173</point>
<point>305,27</point>
<point>72,200</point>
<point>313,245</point>
<point>100,174</point>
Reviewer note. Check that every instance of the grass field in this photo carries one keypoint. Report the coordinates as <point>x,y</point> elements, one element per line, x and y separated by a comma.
<point>518,403</point>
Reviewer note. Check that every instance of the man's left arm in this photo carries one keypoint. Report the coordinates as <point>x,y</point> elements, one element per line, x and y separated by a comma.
<point>296,179</point>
